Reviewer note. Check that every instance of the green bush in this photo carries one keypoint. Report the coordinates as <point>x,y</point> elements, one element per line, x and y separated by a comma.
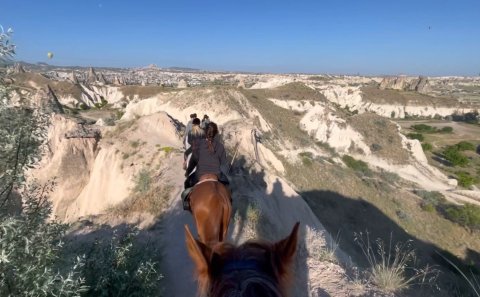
<point>422,128</point>
<point>143,181</point>
<point>467,215</point>
<point>30,245</point>
<point>465,179</point>
<point>357,165</point>
<point>431,200</point>
<point>417,136</point>
<point>453,156</point>
<point>426,146</point>
<point>465,146</point>
<point>118,267</point>
<point>119,114</point>
<point>446,130</point>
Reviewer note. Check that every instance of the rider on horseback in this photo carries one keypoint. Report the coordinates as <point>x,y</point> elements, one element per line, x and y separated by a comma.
<point>209,158</point>
<point>194,136</point>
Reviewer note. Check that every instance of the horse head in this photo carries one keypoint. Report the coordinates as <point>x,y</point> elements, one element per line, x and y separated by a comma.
<point>255,268</point>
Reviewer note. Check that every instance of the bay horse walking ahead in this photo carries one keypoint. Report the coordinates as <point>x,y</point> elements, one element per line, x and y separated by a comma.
<point>254,269</point>
<point>211,207</point>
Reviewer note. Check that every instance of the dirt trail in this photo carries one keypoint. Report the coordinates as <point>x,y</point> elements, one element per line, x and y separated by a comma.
<point>177,265</point>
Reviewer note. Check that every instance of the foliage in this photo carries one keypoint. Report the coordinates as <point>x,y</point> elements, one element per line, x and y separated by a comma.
<point>392,266</point>
<point>118,267</point>
<point>29,250</point>
<point>427,146</point>
<point>417,136</point>
<point>465,179</point>
<point>143,181</point>
<point>465,146</point>
<point>431,200</point>
<point>453,155</point>
<point>467,215</point>
<point>422,128</point>
<point>7,49</point>
<point>446,129</point>
<point>357,165</point>
<point>134,143</point>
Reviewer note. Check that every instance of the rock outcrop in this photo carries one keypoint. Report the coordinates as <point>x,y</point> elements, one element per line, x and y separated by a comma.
<point>73,78</point>
<point>403,83</point>
<point>18,68</point>
<point>91,76</point>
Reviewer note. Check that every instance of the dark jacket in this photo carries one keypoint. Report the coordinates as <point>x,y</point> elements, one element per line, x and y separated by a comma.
<point>210,162</point>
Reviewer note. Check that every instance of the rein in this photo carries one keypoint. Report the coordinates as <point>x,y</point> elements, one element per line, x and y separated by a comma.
<point>207,180</point>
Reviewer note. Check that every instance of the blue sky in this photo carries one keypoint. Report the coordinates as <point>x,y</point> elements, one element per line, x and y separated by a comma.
<point>336,36</point>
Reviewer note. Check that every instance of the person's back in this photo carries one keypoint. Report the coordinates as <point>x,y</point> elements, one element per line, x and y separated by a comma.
<point>211,156</point>
<point>205,122</point>
<point>188,129</point>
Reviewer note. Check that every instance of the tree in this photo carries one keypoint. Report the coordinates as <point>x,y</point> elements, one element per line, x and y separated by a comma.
<point>30,244</point>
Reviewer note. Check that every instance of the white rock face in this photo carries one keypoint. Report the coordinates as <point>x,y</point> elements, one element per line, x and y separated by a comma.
<point>351,97</point>
<point>92,175</point>
<point>321,122</point>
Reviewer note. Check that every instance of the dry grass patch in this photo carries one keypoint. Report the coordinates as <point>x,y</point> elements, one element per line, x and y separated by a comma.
<point>378,96</point>
<point>286,122</point>
<point>381,135</point>
<point>153,201</point>
<point>143,92</point>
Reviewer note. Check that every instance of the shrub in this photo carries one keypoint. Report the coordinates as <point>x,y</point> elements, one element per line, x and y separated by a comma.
<point>465,146</point>
<point>465,179</point>
<point>431,200</point>
<point>30,245</point>
<point>467,215</point>
<point>119,114</point>
<point>422,128</point>
<point>143,181</point>
<point>167,149</point>
<point>452,155</point>
<point>135,143</point>
<point>356,165</point>
<point>390,264</point>
<point>446,130</point>
<point>118,267</point>
<point>375,147</point>
<point>83,106</point>
<point>417,136</point>
<point>426,146</point>
<point>326,147</point>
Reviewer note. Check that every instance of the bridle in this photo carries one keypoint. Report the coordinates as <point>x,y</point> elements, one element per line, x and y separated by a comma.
<point>239,266</point>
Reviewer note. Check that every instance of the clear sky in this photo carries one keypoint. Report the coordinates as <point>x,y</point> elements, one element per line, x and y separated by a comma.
<point>431,37</point>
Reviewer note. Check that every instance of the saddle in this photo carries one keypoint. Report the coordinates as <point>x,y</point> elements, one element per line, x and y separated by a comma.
<point>186,193</point>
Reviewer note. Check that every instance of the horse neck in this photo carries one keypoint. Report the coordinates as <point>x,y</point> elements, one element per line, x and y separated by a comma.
<point>245,283</point>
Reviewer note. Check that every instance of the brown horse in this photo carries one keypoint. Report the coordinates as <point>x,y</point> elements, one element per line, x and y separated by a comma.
<point>252,269</point>
<point>211,207</point>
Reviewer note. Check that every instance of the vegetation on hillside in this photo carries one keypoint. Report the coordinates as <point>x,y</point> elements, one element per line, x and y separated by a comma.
<point>34,260</point>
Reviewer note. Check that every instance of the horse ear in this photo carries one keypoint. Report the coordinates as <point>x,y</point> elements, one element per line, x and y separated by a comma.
<point>199,252</point>
<point>285,249</point>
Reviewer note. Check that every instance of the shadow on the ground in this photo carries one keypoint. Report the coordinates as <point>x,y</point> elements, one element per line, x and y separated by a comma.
<point>347,216</point>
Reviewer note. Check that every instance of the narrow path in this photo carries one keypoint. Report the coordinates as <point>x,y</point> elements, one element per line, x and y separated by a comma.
<point>177,266</point>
